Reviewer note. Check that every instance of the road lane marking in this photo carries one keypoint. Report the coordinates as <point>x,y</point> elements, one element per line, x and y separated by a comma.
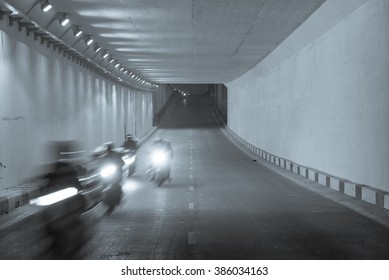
<point>191,188</point>
<point>191,176</point>
<point>191,205</point>
<point>191,237</point>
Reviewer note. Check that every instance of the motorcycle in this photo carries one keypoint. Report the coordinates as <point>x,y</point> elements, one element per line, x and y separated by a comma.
<point>117,164</point>
<point>129,159</point>
<point>76,185</point>
<point>72,190</point>
<point>111,175</point>
<point>159,170</point>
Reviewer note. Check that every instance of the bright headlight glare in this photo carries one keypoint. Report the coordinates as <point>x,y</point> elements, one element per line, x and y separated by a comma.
<point>54,197</point>
<point>159,157</point>
<point>108,171</point>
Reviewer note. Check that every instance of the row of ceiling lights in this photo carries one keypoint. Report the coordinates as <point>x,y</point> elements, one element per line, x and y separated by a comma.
<point>63,21</point>
<point>181,92</point>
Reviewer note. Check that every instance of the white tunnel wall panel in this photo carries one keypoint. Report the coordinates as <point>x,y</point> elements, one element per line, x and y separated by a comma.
<point>161,96</point>
<point>45,97</point>
<point>327,105</point>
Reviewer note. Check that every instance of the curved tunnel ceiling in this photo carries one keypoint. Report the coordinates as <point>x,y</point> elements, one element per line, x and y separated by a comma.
<point>183,41</point>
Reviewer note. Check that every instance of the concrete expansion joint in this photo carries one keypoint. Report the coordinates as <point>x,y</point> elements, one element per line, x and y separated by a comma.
<point>358,191</point>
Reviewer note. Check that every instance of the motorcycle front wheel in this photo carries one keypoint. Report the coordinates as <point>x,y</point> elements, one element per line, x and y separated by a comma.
<point>113,197</point>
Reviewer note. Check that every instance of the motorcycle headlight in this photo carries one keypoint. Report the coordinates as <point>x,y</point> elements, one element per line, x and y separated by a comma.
<point>159,157</point>
<point>54,197</point>
<point>108,171</point>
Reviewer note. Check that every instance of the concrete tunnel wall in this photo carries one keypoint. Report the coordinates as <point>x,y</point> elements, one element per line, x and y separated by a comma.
<point>321,98</point>
<point>44,97</point>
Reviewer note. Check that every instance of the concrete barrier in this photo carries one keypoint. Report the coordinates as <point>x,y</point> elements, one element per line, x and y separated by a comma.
<point>295,168</point>
<point>311,174</point>
<point>335,183</point>
<point>303,171</point>
<point>386,201</point>
<point>17,196</point>
<point>350,189</point>
<point>368,195</point>
<point>322,179</point>
<point>360,192</point>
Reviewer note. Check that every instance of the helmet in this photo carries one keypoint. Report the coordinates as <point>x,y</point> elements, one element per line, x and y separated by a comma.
<point>109,146</point>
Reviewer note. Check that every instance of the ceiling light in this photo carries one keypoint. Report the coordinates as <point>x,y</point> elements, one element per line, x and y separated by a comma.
<point>117,65</point>
<point>88,40</point>
<point>77,32</point>
<point>111,60</point>
<point>64,20</point>
<point>121,68</point>
<point>46,6</point>
<point>104,55</point>
<point>125,72</point>
<point>96,48</point>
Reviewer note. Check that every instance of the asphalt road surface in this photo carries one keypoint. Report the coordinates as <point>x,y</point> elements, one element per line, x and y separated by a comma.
<point>220,204</point>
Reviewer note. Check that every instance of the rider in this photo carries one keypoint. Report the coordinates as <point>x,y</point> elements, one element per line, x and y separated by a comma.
<point>131,142</point>
<point>161,144</point>
<point>113,155</point>
<point>116,193</point>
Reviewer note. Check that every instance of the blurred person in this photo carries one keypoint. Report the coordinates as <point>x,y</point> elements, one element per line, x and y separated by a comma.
<point>131,142</point>
<point>61,200</point>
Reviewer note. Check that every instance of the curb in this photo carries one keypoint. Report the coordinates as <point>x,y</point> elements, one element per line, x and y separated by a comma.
<point>358,191</point>
<point>20,195</point>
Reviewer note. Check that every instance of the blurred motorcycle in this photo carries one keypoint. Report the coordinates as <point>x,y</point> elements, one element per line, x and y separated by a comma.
<point>117,164</point>
<point>111,175</point>
<point>128,149</point>
<point>72,189</point>
<point>159,170</point>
